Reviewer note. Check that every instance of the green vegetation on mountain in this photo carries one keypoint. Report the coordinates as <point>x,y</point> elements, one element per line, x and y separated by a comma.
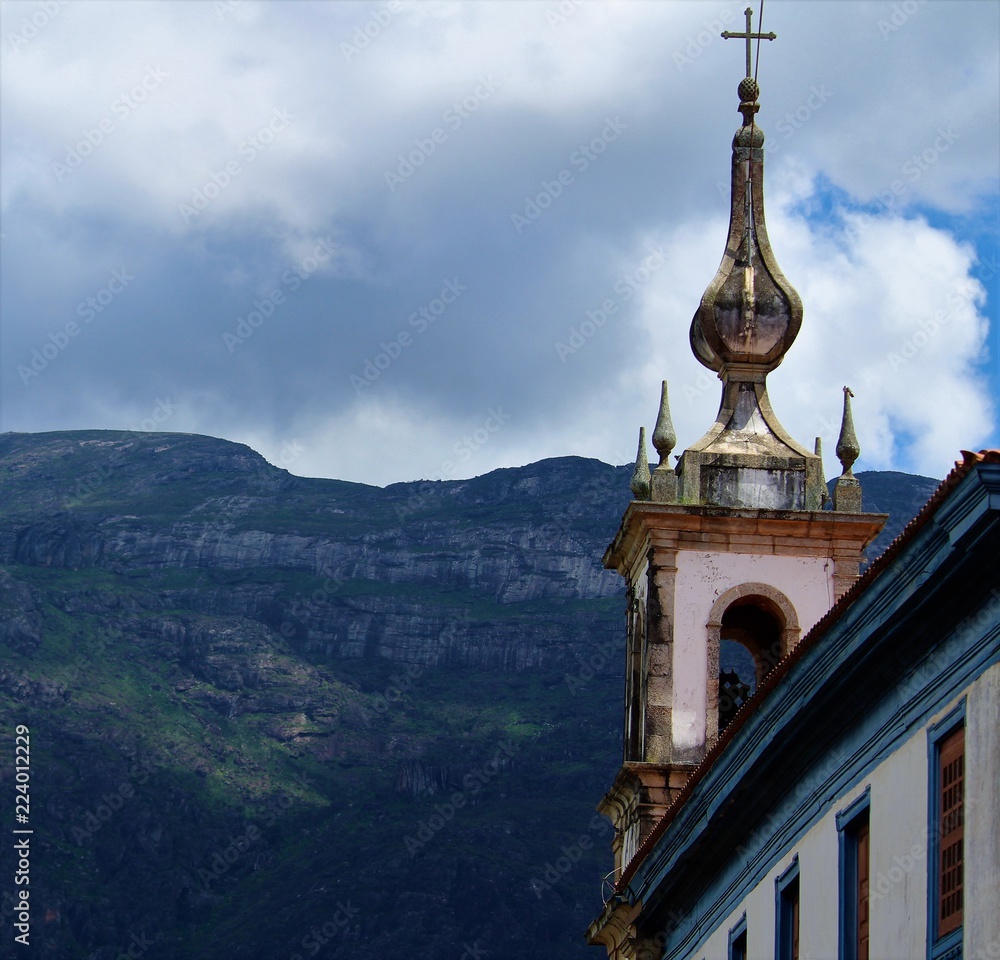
<point>274,717</point>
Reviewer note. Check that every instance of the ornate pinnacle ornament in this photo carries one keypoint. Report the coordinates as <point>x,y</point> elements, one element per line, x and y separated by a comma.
<point>847,490</point>
<point>664,438</point>
<point>848,448</point>
<point>640,475</point>
<point>663,482</point>
<point>818,450</point>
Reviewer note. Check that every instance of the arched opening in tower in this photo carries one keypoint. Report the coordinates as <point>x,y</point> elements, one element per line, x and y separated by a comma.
<point>750,644</point>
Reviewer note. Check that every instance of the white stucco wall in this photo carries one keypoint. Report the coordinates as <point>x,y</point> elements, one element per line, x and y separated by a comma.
<point>702,577</point>
<point>899,841</point>
<point>982,829</point>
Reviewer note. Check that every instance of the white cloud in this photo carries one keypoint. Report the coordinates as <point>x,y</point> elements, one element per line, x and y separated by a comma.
<point>846,104</point>
<point>893,309</point>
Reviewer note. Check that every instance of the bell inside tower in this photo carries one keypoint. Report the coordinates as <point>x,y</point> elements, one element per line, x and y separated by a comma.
<point>750,644</point>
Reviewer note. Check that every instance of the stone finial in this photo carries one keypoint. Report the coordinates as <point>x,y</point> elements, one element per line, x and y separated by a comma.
<point>848,448</point>
<point>818,450</point>
<point>664,438</point>
<point>640,475</point>
<point>663,482</point>
<point>749,92</point>
<point>847,490</point>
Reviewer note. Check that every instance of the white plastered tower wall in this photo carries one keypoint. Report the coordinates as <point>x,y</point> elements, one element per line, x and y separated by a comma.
<point>705,581</point>
<point>685,567</point>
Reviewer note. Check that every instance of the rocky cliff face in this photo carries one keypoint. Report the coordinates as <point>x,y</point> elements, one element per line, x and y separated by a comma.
<point>422,572</point>
<point>279,717</point>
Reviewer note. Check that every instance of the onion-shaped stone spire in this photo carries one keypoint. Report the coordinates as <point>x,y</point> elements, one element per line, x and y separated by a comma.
<point>748,318</point>
<point>640,475</point>
<point>749,313</point>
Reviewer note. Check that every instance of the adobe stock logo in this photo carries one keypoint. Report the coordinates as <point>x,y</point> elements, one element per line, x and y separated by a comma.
<point>698,43</point>
<point>454,117</point>
<point>363,36</point>
<point>249,149</point>
<point>88,310</point>
<point>121,107</point>
<point>264,307</point>
<point>581,158</point>
<point>39,20</point>
<point>420,320</point>
<point>901,12</point>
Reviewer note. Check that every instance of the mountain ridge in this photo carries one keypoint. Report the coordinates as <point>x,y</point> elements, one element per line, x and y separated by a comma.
<point>406,697</point>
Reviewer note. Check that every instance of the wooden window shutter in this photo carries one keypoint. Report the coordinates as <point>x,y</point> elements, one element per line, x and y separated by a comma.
<point>795,923</point>
<point>862,890</point>
<point>951,843</point>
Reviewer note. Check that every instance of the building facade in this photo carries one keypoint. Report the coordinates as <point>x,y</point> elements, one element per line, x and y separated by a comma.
<point>811,762</point>
<point>851,809</point>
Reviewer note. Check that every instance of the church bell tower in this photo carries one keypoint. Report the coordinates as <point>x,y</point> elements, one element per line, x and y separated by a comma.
<point>733,554</point>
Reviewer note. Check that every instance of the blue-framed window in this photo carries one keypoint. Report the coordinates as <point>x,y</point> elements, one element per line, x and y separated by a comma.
<point>786,913</point>
<point>946,830</point>
<point>738,940</point>
<point>853,830</point>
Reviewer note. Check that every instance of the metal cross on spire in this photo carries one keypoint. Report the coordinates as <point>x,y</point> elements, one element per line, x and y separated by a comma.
<point>749,35</point>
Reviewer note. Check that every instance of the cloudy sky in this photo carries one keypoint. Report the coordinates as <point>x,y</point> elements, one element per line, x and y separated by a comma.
<point>397,240</point>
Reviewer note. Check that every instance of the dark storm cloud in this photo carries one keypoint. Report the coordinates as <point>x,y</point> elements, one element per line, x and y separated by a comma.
<point>368,224</point>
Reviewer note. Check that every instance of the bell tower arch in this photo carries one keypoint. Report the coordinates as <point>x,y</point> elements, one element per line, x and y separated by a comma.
<point>752,625</point>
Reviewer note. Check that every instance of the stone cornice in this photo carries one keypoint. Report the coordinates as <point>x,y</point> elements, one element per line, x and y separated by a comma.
<point>816,533</point>
<point>613,928</point>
